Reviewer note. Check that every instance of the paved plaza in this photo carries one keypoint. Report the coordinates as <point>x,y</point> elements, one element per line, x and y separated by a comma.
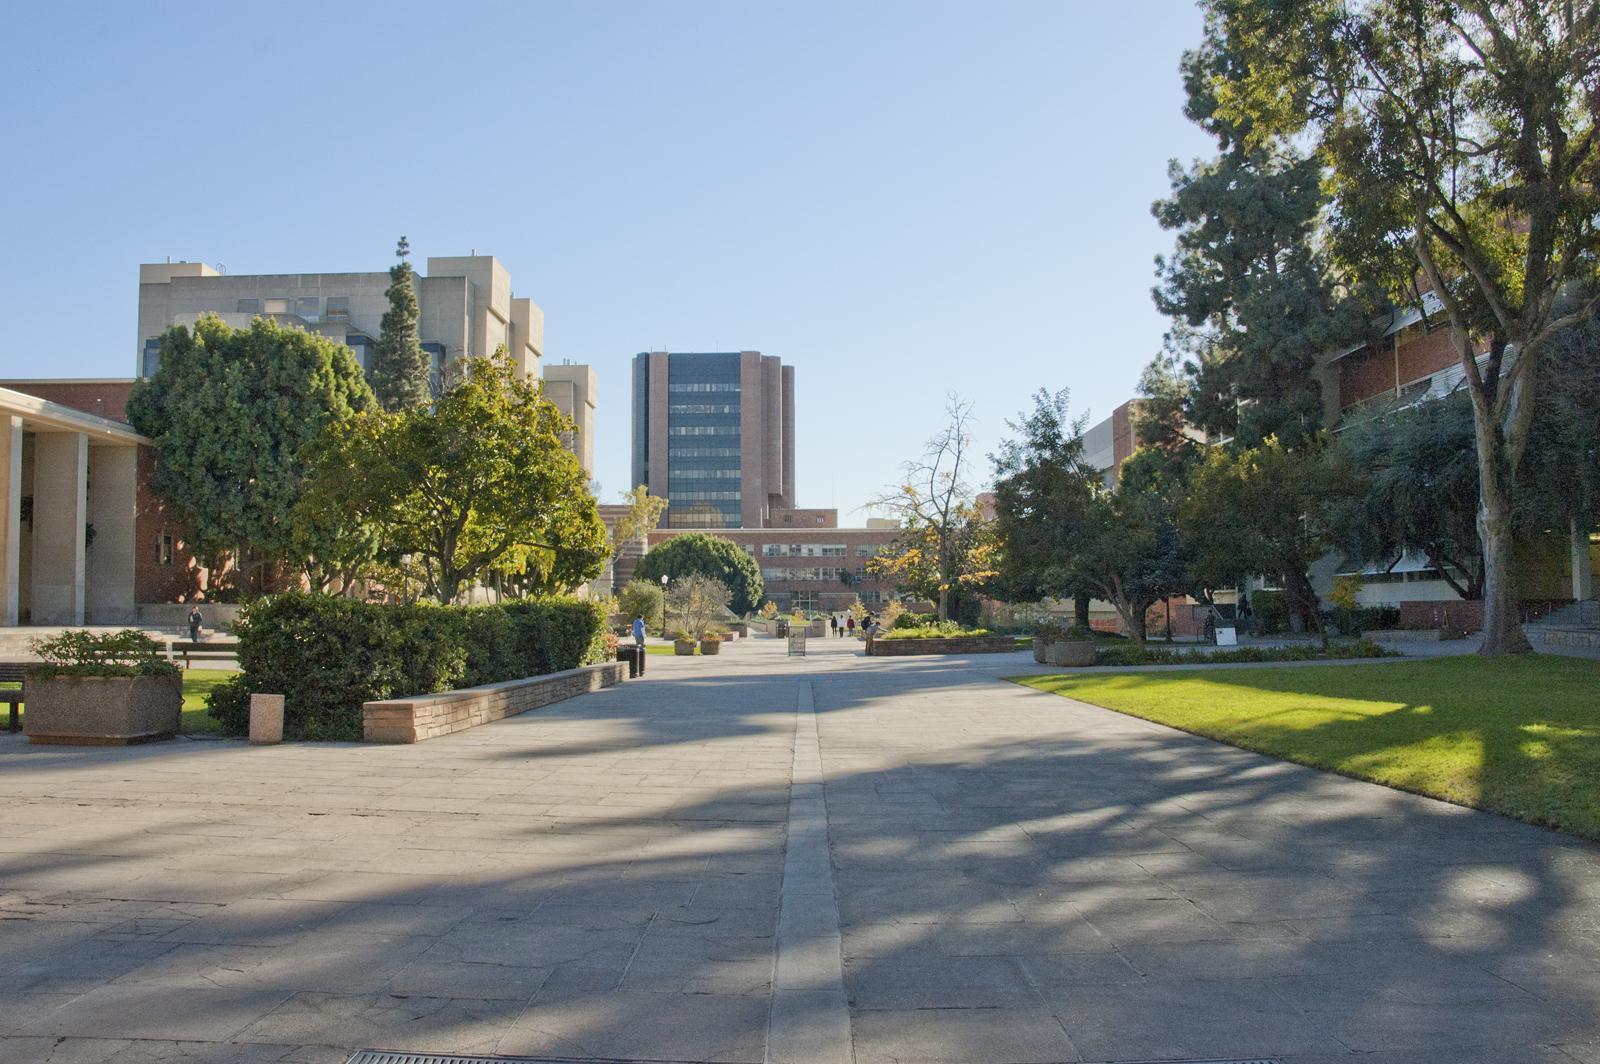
<point>756,858</point>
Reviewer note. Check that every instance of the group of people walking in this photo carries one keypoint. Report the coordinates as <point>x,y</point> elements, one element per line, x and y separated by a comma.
<point>846,626</point>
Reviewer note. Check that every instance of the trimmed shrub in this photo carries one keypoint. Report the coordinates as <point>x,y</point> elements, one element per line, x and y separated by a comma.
<point>914,620</point>
<point>327,655</point>
<point>933,630</point>
<point>1271,612</point>
<point>1135,655</point>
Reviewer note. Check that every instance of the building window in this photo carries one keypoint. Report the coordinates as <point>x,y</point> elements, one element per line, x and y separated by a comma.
<point>249,306</point>
<point>164,549</point>
<point>338,308</point>
<point>275,306</point>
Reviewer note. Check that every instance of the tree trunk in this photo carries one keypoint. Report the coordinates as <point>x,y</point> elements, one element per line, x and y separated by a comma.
<point>1080,610</point>
<point>1502,623</point>
<point>944,603</point>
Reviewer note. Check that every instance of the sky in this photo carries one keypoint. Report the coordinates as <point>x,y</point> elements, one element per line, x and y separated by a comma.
<point>903,200</point>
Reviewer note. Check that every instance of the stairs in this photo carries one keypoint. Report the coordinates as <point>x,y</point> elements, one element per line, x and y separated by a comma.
<point>1572,630</point>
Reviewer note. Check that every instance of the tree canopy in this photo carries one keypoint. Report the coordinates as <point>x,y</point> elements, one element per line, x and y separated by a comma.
<point>1459,141</point>
<point>479,482</point>
<point>229,411</point>
<point>710,556</point>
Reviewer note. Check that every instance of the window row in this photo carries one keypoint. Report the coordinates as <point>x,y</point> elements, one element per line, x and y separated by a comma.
<point>704,496</point>
<point>705,386</point>
<point>703,452</point>
<point>729,431</point>
<point>803,550</point>
<point>703,408</point>
<point>703,474</point>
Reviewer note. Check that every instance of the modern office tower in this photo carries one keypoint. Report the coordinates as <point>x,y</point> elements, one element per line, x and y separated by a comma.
<point>467,310</point>
<point>713,433</point>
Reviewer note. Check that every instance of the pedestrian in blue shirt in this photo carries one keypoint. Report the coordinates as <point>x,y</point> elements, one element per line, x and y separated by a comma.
<point>638,632</point>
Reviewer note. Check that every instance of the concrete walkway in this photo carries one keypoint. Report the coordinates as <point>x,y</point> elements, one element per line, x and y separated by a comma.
<point>984,873</point>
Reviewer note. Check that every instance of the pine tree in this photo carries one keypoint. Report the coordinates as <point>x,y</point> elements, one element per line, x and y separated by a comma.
<point>400,375</point>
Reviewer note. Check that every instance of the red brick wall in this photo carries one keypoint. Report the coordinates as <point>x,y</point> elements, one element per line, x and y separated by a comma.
<point>1364,374</point>
<point>1423,354</point>
<point>105,398</point>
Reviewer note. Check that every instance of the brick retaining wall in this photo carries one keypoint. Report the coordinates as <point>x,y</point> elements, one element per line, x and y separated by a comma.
<point>411,720</point>
<point>969,644</point>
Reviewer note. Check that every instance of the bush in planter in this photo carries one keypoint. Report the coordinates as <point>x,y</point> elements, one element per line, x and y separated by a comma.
<point>102,688</point>
<point>327,655</point>
<point>933,630</point>
<point>914,620</point>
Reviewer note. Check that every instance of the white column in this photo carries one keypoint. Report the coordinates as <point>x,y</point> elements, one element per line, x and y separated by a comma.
<point>60,511</point>
<point>10,517</point>
<point>1582,569</point>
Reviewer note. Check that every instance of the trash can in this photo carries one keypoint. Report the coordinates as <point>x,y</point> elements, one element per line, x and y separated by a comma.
<point>630,654</point>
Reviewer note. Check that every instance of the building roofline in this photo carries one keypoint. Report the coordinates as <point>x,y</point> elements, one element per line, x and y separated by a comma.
<point>65,418</point>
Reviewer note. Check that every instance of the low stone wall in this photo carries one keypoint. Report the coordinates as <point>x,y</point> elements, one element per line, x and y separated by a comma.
<point>959,644</point>
<point>411,720</point>
<point>1561,636</point>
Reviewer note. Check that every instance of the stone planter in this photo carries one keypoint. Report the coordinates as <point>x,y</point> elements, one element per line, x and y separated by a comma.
<point>102,710</point>
<point>711,645</point>
<point>1074,655</point>
<point>683,647</point>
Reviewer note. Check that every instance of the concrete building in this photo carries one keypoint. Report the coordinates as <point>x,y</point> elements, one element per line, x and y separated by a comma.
<point>810,568</point>
<point>466,303</point>
<point>69,505</point>
<point>713,433</point>
<point>572,388</point>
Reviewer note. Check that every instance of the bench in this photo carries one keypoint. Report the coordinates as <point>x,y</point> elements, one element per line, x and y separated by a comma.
<point>202,649</point>
<point>12,672</point>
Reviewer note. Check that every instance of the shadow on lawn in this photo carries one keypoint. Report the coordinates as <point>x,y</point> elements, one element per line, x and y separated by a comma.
<point>1082,882</point>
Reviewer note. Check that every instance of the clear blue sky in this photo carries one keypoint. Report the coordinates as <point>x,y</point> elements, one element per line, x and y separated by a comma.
<point>899,199</point>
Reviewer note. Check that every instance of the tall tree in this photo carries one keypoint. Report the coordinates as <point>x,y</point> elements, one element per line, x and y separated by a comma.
<point>644,514</point>
<point>1464,132</point>
<point>229,412</point>
<point>479,482</point>
<point>937,509</point>
<point>710,556</point>
<point>1252,294</point>
<point>401,376</point>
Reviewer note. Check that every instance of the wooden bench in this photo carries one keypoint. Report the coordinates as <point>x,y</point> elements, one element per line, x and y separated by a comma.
<point>12,672</point>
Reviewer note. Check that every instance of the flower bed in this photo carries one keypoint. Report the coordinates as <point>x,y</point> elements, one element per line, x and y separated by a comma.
<point>952,644</point>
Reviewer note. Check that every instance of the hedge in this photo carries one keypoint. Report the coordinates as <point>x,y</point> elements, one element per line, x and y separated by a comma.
<point>1133,654</point>
<point>327,655</point>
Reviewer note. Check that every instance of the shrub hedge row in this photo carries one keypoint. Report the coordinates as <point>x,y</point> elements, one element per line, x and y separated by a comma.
<point>329,655</point>
<point>1133,654</point>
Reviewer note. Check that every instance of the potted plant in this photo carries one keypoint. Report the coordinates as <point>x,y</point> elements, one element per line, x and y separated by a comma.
<point>710,643</point>
<point>102,689</point>
<point>682,643</point>
<point>699,601</point>
<point>1068,645</point>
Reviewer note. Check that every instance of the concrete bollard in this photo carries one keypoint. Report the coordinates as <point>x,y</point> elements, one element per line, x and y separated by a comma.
<point>266,718</point>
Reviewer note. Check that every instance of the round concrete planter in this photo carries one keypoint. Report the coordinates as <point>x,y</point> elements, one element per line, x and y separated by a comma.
<point>102,710</point>
<point>1074,654</point>
<point>683,647</point>
<point>712,645</point>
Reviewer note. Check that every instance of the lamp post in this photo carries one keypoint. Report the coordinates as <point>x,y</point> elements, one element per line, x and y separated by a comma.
<point>663,605</point>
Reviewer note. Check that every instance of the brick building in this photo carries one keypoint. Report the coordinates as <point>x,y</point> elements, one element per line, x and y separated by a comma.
<point>812,568</point>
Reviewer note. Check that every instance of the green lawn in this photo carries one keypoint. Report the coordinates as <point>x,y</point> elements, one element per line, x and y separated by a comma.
<point>1520,736</point>
<point>196,684</point>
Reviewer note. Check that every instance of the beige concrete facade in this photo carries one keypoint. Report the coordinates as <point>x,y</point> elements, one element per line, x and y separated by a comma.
<point>466,307</point>
<point>572,388</point>
<point>68,487</point>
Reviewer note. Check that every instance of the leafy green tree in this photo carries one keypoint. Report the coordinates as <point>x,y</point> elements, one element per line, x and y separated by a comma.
<point>1463,134</point>
<point>712,556</point>
<point>478,483</point>
<point>229,412</point>
<point>401,375</point>
<point>1265,509</point>
<point>1413,485</point>
<point>641,598</point>
<point>1253,295</point>
<point>643,516</point>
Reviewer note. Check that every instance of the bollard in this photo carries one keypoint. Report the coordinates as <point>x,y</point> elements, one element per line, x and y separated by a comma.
<point>266,718</point>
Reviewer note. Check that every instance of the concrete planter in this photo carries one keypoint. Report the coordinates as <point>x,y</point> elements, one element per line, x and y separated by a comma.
<point>964,644</point>
<point>683,647</point>
<point>1071,654</point>
<point>102,710</point>
<point>712,645</point>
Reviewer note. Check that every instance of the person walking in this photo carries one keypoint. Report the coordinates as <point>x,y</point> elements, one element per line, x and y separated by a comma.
<point>195,623</point>
<point>833,623</point>
<point>638,633</point>
<point>1246,620</point>
<point>851,622</point>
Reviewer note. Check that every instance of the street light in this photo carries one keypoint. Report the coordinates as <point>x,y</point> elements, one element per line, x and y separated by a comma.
<point>663,605</point>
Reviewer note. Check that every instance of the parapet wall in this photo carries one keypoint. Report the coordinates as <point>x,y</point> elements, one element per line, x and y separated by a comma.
<point>411,720</point>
